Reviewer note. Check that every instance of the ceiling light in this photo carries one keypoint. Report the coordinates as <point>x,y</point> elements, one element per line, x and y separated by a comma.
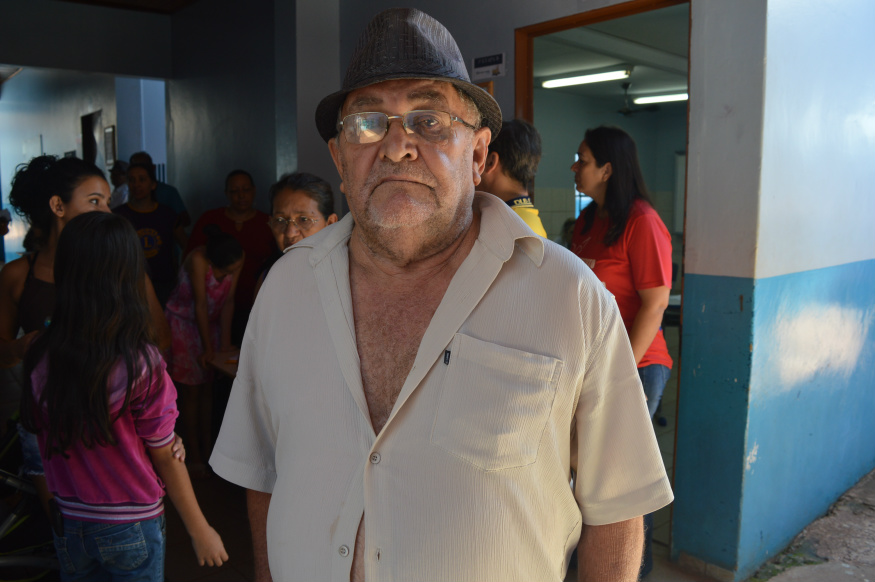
<point>661,98</point>
<point>590,78</point>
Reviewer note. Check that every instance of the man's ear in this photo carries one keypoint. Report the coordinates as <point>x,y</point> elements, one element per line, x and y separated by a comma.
<point>482,137</point>
<point>492,162</point>
<point>334,149</point>
<point>57,206</point>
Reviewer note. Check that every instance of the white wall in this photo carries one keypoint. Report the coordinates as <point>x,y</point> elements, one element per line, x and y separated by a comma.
<point>817,207</point>
<point>726,100</point>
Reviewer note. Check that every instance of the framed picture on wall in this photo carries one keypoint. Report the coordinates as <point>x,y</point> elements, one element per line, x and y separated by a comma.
<point>109,145</point>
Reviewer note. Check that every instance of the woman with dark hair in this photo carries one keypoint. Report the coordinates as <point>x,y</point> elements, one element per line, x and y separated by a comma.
<point>200,311</point>
<point>623,240</point>
<point>249,226</point>
<point>98,397</point>
<point>155,225</point>
<point>48,192</point>
<point>301,205</point>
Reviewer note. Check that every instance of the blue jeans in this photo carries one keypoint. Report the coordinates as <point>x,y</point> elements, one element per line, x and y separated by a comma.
<point>653,378</point>
<point>104,552</point>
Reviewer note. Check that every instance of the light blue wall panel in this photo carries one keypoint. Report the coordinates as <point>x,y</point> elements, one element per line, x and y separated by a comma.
<point>811,432</point>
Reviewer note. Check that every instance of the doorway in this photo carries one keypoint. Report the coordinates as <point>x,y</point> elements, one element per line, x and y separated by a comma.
<point>644,46</point>
<point>92,139</point>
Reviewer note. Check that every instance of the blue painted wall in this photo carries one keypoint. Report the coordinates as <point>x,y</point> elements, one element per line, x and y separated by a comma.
<point>713,403</point>
<point>777,392</point>
<point>811,425</point>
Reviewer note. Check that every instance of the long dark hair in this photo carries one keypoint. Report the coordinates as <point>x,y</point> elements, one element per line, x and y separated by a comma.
<point>101,319</point>
<point>36,182</point>
<point>626,184</point>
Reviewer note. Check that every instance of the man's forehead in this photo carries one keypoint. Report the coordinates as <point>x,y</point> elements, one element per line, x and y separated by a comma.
<point>434,94</point>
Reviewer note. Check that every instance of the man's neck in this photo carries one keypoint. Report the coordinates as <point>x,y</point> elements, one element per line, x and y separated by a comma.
<point>507,189</point>
<point>399,268</point>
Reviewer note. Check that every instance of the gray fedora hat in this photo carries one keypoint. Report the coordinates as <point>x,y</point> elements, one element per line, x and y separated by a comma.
<point>405,43</point>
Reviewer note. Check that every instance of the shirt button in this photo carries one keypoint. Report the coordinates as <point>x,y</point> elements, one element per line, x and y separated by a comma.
<point>343,551</point>
<point>375,458</point>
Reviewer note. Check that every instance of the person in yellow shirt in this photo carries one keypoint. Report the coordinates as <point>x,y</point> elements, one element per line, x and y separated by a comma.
<point>510,169</point>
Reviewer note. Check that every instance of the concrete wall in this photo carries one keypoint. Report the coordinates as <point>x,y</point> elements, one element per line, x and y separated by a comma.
<point>813,367</point>
<point>776,400</point>
<point>318,75</point>
<point>142,118</point>
<point>40,112</point>
<point>221,100</point>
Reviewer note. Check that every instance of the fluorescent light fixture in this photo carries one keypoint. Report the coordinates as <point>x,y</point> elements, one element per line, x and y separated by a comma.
<point>614,75</point>
<point>661,98</point>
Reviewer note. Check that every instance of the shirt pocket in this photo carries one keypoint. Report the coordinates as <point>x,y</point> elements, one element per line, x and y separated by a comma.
<point>494,403</point>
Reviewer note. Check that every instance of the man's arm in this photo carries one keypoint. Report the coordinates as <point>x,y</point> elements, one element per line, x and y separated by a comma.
<point>257,504</point>
<point>610,552</point>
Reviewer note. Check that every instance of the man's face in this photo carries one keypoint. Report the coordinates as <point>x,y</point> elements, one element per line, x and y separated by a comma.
<point>240,192</point>
<point>404,190</point>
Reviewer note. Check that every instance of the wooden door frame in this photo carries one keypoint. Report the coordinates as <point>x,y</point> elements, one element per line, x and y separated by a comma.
<point>524,45</point>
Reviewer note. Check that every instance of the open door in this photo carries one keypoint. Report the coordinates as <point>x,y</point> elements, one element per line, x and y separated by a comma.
<point>643,48</point>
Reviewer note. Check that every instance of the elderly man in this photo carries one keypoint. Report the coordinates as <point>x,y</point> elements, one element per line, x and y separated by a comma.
<point>404,408</point>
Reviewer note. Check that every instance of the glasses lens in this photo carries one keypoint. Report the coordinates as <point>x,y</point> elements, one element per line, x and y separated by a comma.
<point>433,126</point>
<point>365,127</point>
<point>278,223</point>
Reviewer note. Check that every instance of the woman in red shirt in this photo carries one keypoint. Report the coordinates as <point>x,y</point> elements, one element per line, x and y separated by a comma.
<point>623,240</point>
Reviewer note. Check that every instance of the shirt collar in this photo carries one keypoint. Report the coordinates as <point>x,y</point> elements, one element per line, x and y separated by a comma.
<point>501,230</point>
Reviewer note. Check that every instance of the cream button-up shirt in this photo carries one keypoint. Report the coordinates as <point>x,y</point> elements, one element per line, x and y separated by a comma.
<point>524,375</point>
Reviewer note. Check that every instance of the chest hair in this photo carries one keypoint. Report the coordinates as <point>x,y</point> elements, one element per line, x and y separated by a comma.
<point>388,332</point>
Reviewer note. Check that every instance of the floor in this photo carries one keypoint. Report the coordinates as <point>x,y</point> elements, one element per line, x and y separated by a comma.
<point>224,506</point>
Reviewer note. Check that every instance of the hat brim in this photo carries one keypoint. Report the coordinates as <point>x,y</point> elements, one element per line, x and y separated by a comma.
<point>329,107</point>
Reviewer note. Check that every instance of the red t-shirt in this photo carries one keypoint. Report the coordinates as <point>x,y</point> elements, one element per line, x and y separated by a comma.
<point>640,259</point>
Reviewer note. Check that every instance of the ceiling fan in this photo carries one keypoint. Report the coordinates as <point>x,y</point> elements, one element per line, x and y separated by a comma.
<point>628,110</point>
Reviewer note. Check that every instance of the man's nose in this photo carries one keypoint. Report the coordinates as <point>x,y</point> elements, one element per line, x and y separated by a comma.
<point>397,144</point>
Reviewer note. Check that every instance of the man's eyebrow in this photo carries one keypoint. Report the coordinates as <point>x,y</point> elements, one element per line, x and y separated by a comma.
<point>364,101</point>
<point>429,96</point>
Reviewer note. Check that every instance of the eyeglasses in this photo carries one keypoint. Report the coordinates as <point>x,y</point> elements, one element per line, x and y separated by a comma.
<point>302,223</point>
<point>371,126</point>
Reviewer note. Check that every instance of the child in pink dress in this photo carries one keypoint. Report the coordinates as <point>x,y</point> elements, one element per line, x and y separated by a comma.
<point>200,311</point>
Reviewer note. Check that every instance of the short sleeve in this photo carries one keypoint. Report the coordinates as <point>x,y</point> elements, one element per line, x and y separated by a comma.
<point>649,247</point>
<point>619,469</point>
<point>154,408</point>
<point>244,451</point>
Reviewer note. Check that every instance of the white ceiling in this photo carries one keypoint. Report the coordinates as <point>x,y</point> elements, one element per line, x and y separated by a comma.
<point>655,42</point>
